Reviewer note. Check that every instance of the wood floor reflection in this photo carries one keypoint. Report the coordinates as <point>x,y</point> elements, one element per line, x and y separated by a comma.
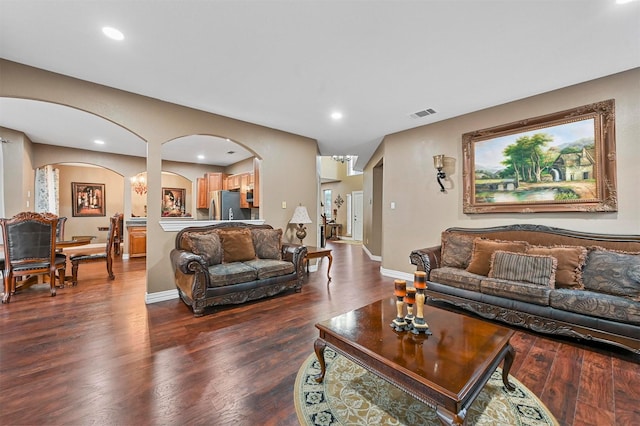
<point>96,354</point>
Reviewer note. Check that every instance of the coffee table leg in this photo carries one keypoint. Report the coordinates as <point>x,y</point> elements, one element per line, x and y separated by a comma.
<point>318,346</point>
<point>448,418</point>
<point>508,362</point>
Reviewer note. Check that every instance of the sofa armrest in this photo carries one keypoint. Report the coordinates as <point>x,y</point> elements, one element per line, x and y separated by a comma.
<point>426,259</point>
<point>296,254</point>
<point>187,262</point>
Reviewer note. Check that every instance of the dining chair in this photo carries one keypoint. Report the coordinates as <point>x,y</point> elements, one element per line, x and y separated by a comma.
<point>118,237</point>
<point>77,259</point>
<point>29,242</point>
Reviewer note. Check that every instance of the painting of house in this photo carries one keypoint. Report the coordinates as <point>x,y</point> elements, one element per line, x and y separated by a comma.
<point>574,166</point>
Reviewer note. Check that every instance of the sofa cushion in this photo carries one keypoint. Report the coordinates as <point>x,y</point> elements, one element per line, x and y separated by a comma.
<point>483,249</point>
<point>528,268</point>
<point>595,304</point>
<point>237,246</point>
<point>268,268</point>
<point>612,272</point>
<point>267,243</point>
<point>571,260</point>
<point>456,249</point>
<point>456,277</point>
<point>205,244</point>
<point>516,290</point>
<point>231,273</point>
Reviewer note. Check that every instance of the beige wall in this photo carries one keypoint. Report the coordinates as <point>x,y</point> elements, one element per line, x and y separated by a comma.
<point>288,170</point>
<point>113,197</point>
<point>422,211</point>
<point>19,174</point>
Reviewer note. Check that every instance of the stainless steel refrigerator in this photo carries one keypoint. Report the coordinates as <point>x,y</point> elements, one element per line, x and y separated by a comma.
<point>225,205</point>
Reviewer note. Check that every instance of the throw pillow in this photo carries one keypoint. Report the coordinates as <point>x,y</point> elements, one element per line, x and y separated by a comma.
<point>571,260</point>
<point>528,268</point>
<point>483,249</point>
<point>237,246</point>
<point>206,245</point>
<point>267,243</point>
<point>613,272</point>
<point>456,249</point>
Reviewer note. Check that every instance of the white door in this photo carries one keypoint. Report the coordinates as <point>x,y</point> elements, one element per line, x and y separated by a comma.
<point>357,215</point>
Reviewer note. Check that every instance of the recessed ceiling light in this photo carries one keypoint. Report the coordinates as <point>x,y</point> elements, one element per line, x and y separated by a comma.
<point>99,142</point>
<point>113,33</point>
<point>337,115</point>
<point>200,157</point>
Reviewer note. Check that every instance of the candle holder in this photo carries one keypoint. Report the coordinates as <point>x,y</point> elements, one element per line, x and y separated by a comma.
<point>410,300</point>
<point>419,325</point>
<point>400,291</point>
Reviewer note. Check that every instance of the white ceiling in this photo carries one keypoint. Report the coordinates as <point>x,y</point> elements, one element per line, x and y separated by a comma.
<point>288,64</point>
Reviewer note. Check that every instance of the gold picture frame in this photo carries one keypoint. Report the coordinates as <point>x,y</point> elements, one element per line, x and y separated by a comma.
<point>88,199</point>
<point>560,162</point>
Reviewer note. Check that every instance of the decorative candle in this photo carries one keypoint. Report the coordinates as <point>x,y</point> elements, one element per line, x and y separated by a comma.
<point>400,288</point>
<point>410,298</point>
<point>420,279</point>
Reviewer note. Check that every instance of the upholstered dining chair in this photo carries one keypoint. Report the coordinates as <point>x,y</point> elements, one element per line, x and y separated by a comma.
<point>29,242</point>
<point>77,259</point>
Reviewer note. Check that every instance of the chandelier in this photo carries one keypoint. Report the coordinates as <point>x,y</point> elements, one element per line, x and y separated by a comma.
<point>139,185</point>
<point>341,158</point>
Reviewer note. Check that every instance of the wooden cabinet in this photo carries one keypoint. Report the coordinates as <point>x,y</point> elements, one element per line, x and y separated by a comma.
<point>216,181</point>
<point>137,241</point>
<point>233,182</point>
<point>203,193</point>
<point>210,182</point>
<point>244,187</point>
<point>256,182</point>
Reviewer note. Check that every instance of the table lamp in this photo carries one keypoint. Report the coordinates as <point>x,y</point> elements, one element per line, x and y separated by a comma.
<point>301,216</point>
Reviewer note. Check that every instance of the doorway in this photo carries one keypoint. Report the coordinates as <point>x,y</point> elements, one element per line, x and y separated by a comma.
<point>357,209</point>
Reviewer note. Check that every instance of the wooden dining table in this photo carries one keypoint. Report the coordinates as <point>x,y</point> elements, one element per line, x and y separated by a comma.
<point>60,245</point>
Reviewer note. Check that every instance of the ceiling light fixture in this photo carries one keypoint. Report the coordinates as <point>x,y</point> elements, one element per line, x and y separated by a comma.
<point>200,157</point>
<point>341,158</point>
<point>337,115</point>
<point>113,33</point>
<point>98,142</point>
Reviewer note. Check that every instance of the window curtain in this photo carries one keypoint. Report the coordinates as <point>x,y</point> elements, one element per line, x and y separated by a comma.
<point>47,190</point>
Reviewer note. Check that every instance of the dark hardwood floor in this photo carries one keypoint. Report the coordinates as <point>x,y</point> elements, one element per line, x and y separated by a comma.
<point>96,354</point>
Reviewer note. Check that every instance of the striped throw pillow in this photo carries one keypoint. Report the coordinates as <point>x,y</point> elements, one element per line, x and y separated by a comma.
<point>528,268</point>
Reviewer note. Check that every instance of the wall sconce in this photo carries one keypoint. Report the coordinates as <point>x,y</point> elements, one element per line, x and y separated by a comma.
<point>139,184</point>
<point>438,163</point>
<point>301,216</point>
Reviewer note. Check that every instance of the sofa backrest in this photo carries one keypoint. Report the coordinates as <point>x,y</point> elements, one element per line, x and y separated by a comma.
<point>547,236</point>
<point>181,237</point>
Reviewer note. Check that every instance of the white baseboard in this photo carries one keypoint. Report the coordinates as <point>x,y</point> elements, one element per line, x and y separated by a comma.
<point>160,296</point>
<point>396,274</point>
<point>371,256</point>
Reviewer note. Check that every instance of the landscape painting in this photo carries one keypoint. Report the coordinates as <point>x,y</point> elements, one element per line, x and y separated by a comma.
<point>560,162</point>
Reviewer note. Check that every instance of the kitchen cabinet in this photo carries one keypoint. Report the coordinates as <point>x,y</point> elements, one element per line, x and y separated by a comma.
<point>256,182</point>
<point>203,193</point>
<point>244,188</point>
<point>137,241</point>
<point>233,182</point>
<point>216,181</point>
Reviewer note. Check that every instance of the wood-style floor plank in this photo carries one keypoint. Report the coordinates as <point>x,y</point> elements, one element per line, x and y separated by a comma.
<point>96,354</point>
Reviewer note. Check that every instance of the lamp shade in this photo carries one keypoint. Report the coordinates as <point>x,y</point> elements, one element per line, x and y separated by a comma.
<point>300,215</point>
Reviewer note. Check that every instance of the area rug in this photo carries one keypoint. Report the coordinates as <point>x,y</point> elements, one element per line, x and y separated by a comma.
<point>349,395</point>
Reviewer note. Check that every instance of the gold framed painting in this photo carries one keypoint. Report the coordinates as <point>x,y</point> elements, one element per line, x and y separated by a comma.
<point>560,162</point>
<point>88,199</point>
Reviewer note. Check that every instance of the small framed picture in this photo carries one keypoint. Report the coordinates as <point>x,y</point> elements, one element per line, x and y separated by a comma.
<point>173,202</point>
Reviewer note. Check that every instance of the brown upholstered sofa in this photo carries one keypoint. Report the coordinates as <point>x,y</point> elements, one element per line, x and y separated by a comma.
<point>234,262</point>
<point>549,280</point>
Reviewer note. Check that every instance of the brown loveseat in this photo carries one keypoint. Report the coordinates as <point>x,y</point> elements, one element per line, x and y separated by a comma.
<point>234,262</point>
<point>549,280</point>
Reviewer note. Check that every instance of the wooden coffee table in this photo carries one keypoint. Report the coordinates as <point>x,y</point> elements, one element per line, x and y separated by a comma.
<point>446,370</point>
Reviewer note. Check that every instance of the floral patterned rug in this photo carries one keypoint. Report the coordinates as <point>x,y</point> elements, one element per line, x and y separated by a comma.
<point>350,395</point>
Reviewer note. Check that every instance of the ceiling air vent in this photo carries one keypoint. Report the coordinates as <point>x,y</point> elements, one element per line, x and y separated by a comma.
<point>423,113</point>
